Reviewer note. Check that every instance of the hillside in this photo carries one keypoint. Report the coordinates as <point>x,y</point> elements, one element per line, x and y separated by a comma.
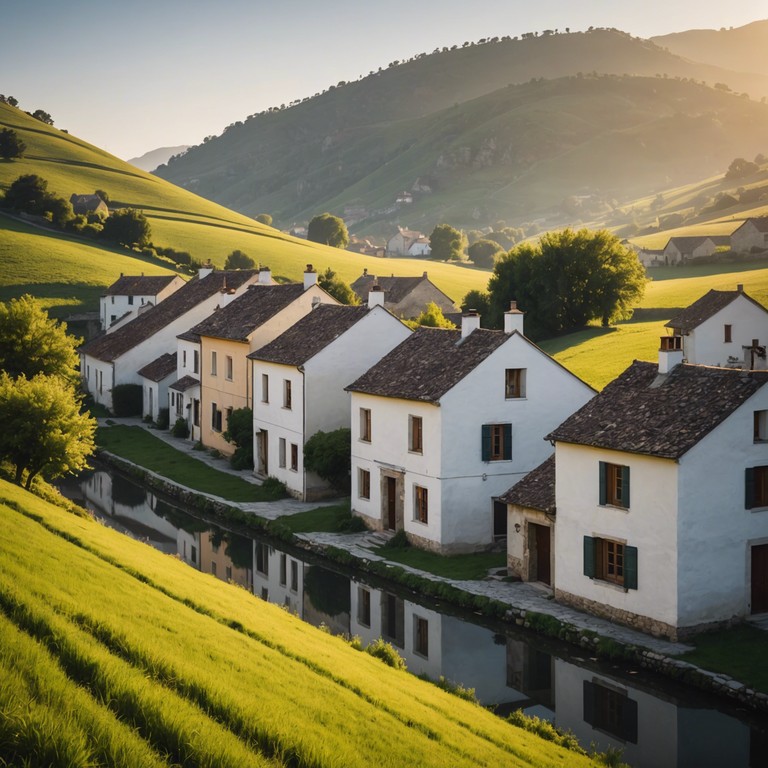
<point>358,142</point>
<point>189,671</point>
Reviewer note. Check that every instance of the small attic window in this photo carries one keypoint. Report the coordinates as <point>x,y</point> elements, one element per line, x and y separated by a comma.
<point>727,335</point>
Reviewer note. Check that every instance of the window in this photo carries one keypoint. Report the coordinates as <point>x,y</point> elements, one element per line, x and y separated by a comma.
<point>496,442</point>
<point>229,415</point>
<point>363,607</point>
<point>421,636</point>
<point>193,554</point>
<point>196,413</point>
<point>294,457</point>
<point>415,444</point>
<point>727,334</point>
<point>363,484</point>
<point>228,368</point>
<point>612,561</point>
<point>365,425</point>
<point>130,300</point>
<point>283,569</point>
<point>264,388</point>
<point>614,485</point>
<point>113,299</point>
<point>760,428</point>
<point>294,576</point>
<point>262,558</point>
<point>228,572</point>
<point>610,709</point>
<point>184,359</point>
<point>213,363</point>
<point>215,418</point>
<point>179,406</point>
<point>287,394</point>
<point>420,504</point>
<point>514,383</point>
<point>213,567</point>
<point>195,361</point>
<point>281,452</point>
<point>755,487</point>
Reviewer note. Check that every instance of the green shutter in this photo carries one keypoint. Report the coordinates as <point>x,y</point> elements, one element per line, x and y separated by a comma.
<point>630,567</point>
<point>486,442</point>
<point>507,441</point>
<point>589,557</point>
<point>749,488</point>
<point>625,487</point>
<point>603,496</point>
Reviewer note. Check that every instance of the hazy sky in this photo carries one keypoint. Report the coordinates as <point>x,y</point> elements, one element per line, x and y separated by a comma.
<point>141,74</point>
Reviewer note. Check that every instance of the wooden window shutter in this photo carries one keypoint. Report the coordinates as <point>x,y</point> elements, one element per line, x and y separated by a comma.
<point>507,441</point>
<point>589,703</point>
<point>625,487</point>
<point>589,557</point>
<point>630,720</point>
<point>749,488</point>
<point>603,495</point>
<point>486,442</point>
<point>630,567</point>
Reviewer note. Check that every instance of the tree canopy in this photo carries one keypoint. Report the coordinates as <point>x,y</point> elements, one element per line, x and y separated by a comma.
<point>484,252</point>
<point>740,168</point>
<point>566,280</point>
<point>26,193</point>
<point>330,282</point>
<point>446,243</point>
<point>432,317</point>
<point>42,116</point>
<point>328,230</point>
<point>11,145</point>
<point>239,260</point>
<point>129,227</point>
<point>264,218</point>
<point>328,455</point>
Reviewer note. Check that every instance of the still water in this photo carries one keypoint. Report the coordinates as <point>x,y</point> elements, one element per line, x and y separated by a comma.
<point>656,723</point>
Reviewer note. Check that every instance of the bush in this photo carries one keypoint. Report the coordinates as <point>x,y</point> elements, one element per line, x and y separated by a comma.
<point>163,419</point>
<point>328,455</point>
<point>384,651</point>
<point>398,541</point>
<point>180,428</point>
<point>239,432</point>
<point>127,400</point>
<point>274,488</point>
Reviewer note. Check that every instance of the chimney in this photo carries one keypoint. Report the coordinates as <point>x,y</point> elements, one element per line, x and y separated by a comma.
<point>205,270</point>
<point>375,296</point>
<point>425,273</point>
<point>740,287</point>
<point>469,322</point>
<point>310,277</point>
<point>670,353</point>
<point>365,272</point>
<point>265,276</point>
<point>513,319</point>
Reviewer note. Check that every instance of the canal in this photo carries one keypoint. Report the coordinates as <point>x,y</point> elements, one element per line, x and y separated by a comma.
<point>655,722</point>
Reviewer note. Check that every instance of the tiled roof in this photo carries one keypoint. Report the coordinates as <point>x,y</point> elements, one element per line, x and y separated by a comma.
<point>139,285</point>
<point>395,288</point>
<point>691,242</point>
<point>428,363</point>
<point>246,313</point>
<point>704,308</point>
<point>161,368</point>
<point>302,341</point>
<point>642,412</point>
<point>536,490</point>
<point>111,346</point>
<point>184,383</point>
<point>760,223</point>
<point>189,336</point>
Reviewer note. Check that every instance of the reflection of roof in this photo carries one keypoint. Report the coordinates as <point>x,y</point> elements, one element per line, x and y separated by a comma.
<point>184,383</point>
<point>246,313</point>
<point>704,308</point>
<point>302,341</point>
<point>665,416</point>
<point>139,285</point>
<point>160,369</point>
<point>428,363</point>
<point>536,490</point>
<point>395,288</point>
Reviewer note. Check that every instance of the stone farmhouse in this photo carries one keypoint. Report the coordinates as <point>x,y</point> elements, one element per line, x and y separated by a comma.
<point>404,297</point>
<point>680,250</point>
<point>85,205</point>
<point>408,242</point>
<point>131,294</point>
<point>752,234</point>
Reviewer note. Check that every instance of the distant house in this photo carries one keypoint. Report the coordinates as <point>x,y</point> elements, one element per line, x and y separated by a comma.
<point>88,204</point>
<point>404,296</point>
<point>365,247</point>
<point>679,250</point>
<point>130,294</point>
<point>400,244</point>
<point>753,233</point>
<point>404,198</point>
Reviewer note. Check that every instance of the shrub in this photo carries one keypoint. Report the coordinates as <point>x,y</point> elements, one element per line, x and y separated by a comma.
<point>384,651</point>
<point>163,419</point>
<point>239,432</point>
<point>545,730</point>
<point>180,428</point>
<point>328,455</point>
<point>398,541</point>
<point>127,400</point>
<point>274,488</point>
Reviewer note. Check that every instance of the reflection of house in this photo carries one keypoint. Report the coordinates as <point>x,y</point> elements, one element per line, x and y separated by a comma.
<point>299,381</point>
<point>753,233</point>
<point>404,296</point>
<point>278,577</point>
<point>157,376</point>
<point>133,293</point>
<point>449,420</point>
<point>216,558</point>
<point>405,239</point>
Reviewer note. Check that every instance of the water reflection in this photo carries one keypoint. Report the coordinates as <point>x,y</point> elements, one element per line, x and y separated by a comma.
<point>606,708</point>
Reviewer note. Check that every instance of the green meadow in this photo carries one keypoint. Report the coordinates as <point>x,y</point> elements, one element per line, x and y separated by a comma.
<point>114,654</point>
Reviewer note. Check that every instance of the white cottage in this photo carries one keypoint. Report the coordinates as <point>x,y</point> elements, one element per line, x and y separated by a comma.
<point>130,294</point>
<point>299,381</point>
<point>752,235</point>
<point>449,420</point>
<point>157,375</point>
<point>662,498</point>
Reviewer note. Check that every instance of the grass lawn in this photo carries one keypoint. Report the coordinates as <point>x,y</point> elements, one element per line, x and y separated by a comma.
<point>739,652</point>
<point>334,519</point>
<point>141,447</point>
<point>461,567</point>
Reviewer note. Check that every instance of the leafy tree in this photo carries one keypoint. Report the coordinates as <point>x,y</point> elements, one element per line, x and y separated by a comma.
<point>239,260</point>
<point>103,195</point>
<point>128,227</point>
<point>239,432</point>
<point>10,144</point>
<point>33,343</point>
<point>329,230</point>
<point>328,455</point>
<point>60,209</point>
<point>329,281</point>
<point>446,243</point>
<point>484,252</point>
<point>432,317</point>
<point>44,431</point>
<point>264,218</point>
<point>42,116</point>
<point>27,193</point>
<point>477,300</point>
<point>740,168</point>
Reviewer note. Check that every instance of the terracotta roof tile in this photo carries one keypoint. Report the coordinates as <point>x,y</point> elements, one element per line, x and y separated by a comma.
<point>159,369</point>
<point>536,490</point>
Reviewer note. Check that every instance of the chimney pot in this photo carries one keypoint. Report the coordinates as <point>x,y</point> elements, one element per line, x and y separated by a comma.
<point>670,353</point>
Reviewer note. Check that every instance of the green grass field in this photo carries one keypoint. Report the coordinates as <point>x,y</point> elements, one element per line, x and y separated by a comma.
<point>114,654</point>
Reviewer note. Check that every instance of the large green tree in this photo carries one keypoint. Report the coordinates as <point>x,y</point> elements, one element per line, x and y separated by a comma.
<point>330,282</point>
<point>446,243</point>
<point>329,230</point>
<point>11,145</point>
<point>27,193</point>
<point>239,260</point>
<point>484,252</point>
<point>128,227</point>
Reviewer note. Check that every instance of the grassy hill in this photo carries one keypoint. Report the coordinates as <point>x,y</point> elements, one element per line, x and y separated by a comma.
<point>114,654</point>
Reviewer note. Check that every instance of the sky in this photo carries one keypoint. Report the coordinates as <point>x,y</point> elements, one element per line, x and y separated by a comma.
<point>133,76</point>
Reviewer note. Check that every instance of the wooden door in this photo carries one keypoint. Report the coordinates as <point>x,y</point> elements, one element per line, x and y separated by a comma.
<point>263,460</point>
<point>760,578</point>
<point>543,553</point>
<point>391,503</point>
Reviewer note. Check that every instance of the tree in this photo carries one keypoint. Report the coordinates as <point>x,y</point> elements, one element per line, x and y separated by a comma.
<point>446,243</point>
<point>330,282</point>
<point>432,317</point>
<point>328,455</point>
<point>239,432</point>
<point>484,252</point>
<point>103,195</point>
<point>59,208</point>
<point>740,168</point>
<point>128,227</point>
<point>35,344</point>
<point>11,145</point>
<point>239,260</point>
<point>44,431</point>
<point>329,230</point>
<point>264,218</point>
<point>478,301</point>
<point>42,116</point>
<point>27,193</point>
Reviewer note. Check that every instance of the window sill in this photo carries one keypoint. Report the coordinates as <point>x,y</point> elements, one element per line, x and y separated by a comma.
<point>416,453</point>
<point>521,397</point>
<point>609,584</point>
<point>613,506</point>
<point>420,522</point>
<point>758,509</point>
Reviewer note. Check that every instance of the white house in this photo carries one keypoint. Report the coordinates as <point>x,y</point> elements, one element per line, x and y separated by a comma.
<point>446,422</point>
<point>752,234</point>
<point>727,328</point>
<point>299,381</point>
<point>130,293</point>
<point>278,577</point>
<point>400,243</point>
<point>662,498</point>
<point>157,375</point>
<point>117,357</point>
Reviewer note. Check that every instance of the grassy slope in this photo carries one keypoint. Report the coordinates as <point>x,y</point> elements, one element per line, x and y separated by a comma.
<point>202,673</point>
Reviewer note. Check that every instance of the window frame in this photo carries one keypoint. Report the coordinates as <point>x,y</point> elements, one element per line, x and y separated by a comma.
<point>415,434</point>
<point>294,457</point>
<point>366,427</point>
<point>214,363</point>
<point>611,561</point>
<point>363,483</point>
<point>421,504</point>
<point>264,387</point>
<point>496,442</point>
<point>282,452</point>
<point>229,368</point>
<point>756,487</point>
<point>760,426</point>
<point>420,636</point>
<point>614,487</point>
<point>727,333</point>
<point>287,394</point>
<point>514,383</point>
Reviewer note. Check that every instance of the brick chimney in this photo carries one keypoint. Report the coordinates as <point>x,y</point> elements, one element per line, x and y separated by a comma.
<point>375,296</point>
<point>670,353</point>
<point>265,276</point>
<point>513,319</point>
<point>310,277</point>
<point>469,322</point>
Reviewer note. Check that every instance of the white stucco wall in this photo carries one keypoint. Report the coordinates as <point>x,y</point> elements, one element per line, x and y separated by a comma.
<point>185,358</point>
